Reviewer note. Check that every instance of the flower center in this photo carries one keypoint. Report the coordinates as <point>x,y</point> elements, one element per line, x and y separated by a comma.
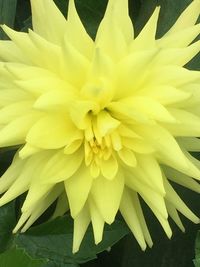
<point>100,141</point>
<point>105,139</point>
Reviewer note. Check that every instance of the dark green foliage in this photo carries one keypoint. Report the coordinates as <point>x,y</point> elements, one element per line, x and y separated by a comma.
<point>53,241</point>
<point>197,251</point>
<point>7,14</point>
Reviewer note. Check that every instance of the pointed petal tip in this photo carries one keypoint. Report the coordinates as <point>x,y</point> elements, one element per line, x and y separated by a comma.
<point>3,26</point>
<point>169,234</point>
<point>182,228</point>
<point>196,220</point>
<point>75,249</point>
<point>24,229</point>
<point>150,244</point>
<point>109,220</point>
<point>156,11</point>
<point>98,240</point>
<point>16,229</point>
<point>143,246</point>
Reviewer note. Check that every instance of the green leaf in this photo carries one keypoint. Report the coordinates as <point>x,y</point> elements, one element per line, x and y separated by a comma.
<point>18,257</point>
<point>7,222</point>
<point>91,13</point>
<point>197,248</point>
<point>7,14</point>
<point>62,5</point>
<point>23,12</point>
<point>170,11</point>
<point>27,24</point>
<point>53,241</point>
<point>197,263</point>
<point>197,251</point>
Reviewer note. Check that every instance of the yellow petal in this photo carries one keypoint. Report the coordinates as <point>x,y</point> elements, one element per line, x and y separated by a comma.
<point>15,132</point>
<point>11,96</point>
<point>77,188</point>
<point>79,113</point>
<point>75,32</point>
<point>73,147</point>
<point>151,108</point>
<point>44,205</point>
<point>134,66</point>
<point>137,145</point>
<point>110,36</point>
<point>163,221</point>
<point>25,72</point>
<point>119,9</point>
<point>187,18</point>
<point>109,168</point>
<point>102,65</point>
<point>176,201</point>
<point>192,167</point>
<point>36,49</point>
<point>189,143</point>
<point>105,123</point>
<point>27,151</point>
<point>11,174</point>
<point>174,215</point>
<point>62,206</point>
<point>111,190</point>
<point>54,100</point>
<point>60,166</point>
<point>165,144</point>
<point>165,94</point>
<point>36,193</point>
<point>152,170</point>
<point>129,213</point>
<point>172,75</point>
<point>122,111</point>
<point>180,39</point>
<point>42,13</point>
<point>154,199</point>
<point>10,52</point>
<point>97,222</point>
<point>181,179</point>
<point>128,157</point>
<point>81,223</point>
<point>94,169</point>
<point>116,141</point>
<point>33,214</point>
<point>75,64</point>
<point>50,132</point>
<point>141,218</point>
<point>22,183</point>
<point>146,38</point>
<point>177,56</point>
<point>187,124</point>
<point>23,43</point>
<point>44,49</point>
<point>41,85</point>
<point>15,110</point>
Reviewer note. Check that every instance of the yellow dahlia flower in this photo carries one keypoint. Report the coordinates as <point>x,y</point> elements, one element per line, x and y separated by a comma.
<point>100,123</point>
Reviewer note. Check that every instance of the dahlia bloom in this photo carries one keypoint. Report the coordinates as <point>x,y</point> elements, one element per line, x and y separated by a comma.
<point>100,123</point>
